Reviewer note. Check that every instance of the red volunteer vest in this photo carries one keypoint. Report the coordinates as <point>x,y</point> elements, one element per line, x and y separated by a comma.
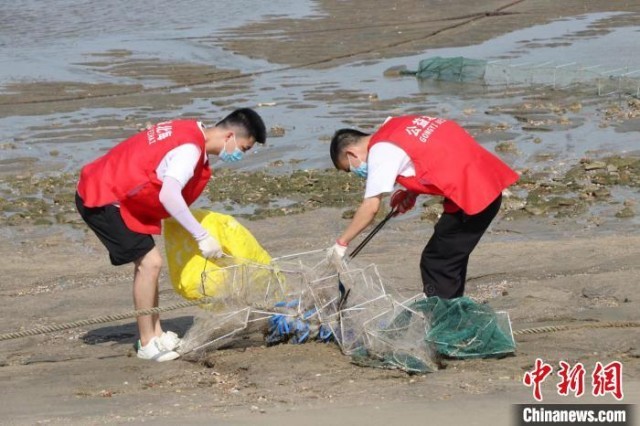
<point>127,174</point>
<point>448,162</point>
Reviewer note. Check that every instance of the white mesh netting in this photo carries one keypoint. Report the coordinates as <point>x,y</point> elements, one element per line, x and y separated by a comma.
<point>297,299</point>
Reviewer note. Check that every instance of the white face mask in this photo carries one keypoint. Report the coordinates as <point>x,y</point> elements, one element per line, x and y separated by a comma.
<point>236,155</point>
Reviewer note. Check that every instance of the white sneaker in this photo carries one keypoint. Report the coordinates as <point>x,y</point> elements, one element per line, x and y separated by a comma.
<point>170,341</point>
<point>155,351</point>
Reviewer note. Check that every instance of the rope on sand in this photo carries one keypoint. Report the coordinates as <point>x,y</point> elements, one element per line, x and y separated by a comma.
<point>188,303</point>
<point>554,328</point>
<point>99,320</point>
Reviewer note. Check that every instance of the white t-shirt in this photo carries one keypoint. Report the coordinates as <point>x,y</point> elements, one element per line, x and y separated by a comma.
<point>385,162</point>
<point>180,163</point>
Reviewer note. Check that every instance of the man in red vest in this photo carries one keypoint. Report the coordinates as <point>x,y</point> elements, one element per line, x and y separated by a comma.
<point>425,155</point>
<point>124,195</point>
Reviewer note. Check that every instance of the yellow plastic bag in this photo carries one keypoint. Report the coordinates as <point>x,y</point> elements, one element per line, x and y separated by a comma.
<point>186,264</point>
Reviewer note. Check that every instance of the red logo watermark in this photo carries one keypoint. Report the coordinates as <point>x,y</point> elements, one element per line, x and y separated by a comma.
<point>605,379</point>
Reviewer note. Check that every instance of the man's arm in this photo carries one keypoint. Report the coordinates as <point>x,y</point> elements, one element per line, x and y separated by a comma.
<point>177,168</point>
<point>385,161</point>
<point>173,202</point>
<point>362,218</point>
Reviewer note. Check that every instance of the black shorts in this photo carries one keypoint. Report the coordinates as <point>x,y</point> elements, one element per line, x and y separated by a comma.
<point>123,244</point>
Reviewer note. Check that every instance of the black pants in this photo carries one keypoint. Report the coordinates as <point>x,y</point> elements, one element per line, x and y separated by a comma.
<point>444,259</point>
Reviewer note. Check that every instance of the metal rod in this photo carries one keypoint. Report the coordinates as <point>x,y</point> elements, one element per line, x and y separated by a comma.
<point>631,73</point>
<point>298,254</point>
<point>566,65</point>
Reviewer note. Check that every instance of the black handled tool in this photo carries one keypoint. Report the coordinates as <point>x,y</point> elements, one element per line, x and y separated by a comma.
<point>344,293</point>
<point>373,232</point>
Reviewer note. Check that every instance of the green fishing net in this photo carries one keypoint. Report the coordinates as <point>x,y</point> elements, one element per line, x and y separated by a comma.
<point>426,328</point>
<point>451,69</point>
<point>462,328</point>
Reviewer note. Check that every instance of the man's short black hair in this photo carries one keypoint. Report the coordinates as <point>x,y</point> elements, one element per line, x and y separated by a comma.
<point>342,139</point>
<point>248,120</point>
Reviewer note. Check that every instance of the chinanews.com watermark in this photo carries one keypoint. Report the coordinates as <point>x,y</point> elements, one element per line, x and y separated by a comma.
<point>574,414</point>
<point>603,381</point>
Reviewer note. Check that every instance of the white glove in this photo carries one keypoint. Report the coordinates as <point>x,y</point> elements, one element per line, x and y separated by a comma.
<point>336,253</point>
<point>210,247</point>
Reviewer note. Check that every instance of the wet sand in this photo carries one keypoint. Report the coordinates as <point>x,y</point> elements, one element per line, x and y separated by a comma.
<point>90,374</point>
<point>544,268</point>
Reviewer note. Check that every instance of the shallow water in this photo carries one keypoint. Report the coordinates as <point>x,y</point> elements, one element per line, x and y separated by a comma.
<point>309,104</point>
<point>44,40</point>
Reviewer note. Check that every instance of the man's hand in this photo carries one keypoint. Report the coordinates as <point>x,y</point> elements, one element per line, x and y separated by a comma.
<point>336,253</point>
<point>210,247</point>
<point>403,201</point>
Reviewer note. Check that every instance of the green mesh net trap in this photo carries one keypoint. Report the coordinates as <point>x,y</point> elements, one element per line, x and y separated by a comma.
<point>461,328</point>
<point>452,69</point>
<point>601,79</point>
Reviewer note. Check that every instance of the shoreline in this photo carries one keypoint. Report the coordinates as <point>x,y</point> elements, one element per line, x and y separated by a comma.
<point>590,191</point>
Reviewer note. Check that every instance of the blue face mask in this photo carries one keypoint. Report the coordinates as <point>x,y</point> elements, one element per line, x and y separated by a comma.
<point>360,171</point>
<point>236,155</point>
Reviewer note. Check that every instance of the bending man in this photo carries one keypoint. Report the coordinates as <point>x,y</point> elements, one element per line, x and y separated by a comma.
<point>157,173</point>
<point>426,155</point>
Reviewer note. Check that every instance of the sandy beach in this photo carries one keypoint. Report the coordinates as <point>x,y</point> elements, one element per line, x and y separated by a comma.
<point>563,251</point>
